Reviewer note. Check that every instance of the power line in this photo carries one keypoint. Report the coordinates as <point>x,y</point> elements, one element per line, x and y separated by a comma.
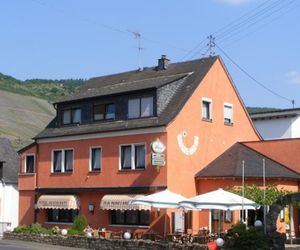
<point>243,28</point>
<point>241,24</point>
<point>253,79</point>
<point>264,25</point>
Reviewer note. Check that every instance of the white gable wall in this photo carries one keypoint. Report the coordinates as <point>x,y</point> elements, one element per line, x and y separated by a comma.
<point>277,128</point>
<point>296,127</point>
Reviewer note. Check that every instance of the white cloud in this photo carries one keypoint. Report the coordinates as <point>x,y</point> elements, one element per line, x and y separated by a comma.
<point>294,77</point>
<point>235,2</point>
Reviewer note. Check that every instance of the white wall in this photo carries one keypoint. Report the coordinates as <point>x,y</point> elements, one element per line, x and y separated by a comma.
<point>276,128</point>
<point>296,127</point>
<point>9,204</point>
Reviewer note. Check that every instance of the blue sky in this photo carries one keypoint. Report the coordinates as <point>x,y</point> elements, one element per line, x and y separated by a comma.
<point>86,38</point>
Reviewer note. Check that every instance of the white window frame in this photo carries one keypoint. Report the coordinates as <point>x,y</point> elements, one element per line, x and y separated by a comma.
<point>25,164</point>
<point>90,159</point>
<point>132,156</point>
<point>205,99</point>
<point>229,105</point>
<point>62,160</point>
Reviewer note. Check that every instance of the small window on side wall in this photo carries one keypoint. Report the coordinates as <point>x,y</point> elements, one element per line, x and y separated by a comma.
<point>29,164</point>
<point>228,113</point>
<point>206,109</point>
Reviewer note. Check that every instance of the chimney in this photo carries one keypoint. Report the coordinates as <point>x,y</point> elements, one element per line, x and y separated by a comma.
<point>163,62</point>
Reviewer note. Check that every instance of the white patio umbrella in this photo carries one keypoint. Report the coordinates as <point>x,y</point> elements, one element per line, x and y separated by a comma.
<point>219,199</point>
<point>163,199</point>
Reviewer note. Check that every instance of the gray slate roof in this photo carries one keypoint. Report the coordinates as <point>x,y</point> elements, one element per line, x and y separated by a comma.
<point>8,155</point>
<point>173,86</point>
<point>283,113</point>
<point>229,164</point>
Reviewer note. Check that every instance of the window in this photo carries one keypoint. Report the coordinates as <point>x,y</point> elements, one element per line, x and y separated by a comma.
<point>70,116</point>
<point>104,111</point>
<point>133,156</point>
<point>61,215</point>
<point>140,107</point>
<point>62,160</point>
<point>95,159</point>
<point>206,109</point>
<point>29,164</point>
<point>130,217</point>
<point>228,113</point>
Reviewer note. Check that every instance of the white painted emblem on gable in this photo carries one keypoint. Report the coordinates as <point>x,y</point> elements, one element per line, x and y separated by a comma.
<point>187,150</point>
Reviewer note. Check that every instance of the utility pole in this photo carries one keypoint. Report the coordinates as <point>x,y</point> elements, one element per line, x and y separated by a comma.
<point>211,44</point>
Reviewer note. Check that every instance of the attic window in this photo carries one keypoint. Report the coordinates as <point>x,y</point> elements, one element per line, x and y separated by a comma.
<point>228,113</point>
<point>206,109</point>
<point>140,107</point>
<point>71,116</point>
<point>104,111</point>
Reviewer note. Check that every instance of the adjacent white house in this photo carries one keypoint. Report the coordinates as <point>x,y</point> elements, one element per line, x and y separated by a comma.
<point>278,124</point>
<point>9,195</point>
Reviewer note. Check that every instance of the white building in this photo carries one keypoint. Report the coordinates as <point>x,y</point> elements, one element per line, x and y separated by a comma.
<point>278,124</point>
<point>9,195</point>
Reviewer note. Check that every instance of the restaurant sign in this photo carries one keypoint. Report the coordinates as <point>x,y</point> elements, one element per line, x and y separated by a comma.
<point>158,159</point>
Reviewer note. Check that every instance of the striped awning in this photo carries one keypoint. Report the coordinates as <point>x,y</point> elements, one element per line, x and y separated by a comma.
<point>58,202</point>
<point>121,202</point>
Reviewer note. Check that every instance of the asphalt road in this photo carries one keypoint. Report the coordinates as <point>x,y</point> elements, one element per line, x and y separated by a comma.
<point>24,245</point>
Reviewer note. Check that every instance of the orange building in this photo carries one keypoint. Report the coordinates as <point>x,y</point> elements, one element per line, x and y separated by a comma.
<point>99,151</point>
<point>248,160</point>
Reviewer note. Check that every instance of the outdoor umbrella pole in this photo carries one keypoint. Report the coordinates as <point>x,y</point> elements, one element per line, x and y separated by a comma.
<point>165,225</point>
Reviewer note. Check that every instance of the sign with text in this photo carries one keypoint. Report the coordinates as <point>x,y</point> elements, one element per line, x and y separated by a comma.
<point>158,159</point>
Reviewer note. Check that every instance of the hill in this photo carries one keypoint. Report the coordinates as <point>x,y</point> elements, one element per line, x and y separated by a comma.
<point>22,117</point>
<point>51,90</point>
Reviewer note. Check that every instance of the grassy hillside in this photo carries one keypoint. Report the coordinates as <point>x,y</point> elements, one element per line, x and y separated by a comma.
<point>22,117</point>
<point>51,90</point>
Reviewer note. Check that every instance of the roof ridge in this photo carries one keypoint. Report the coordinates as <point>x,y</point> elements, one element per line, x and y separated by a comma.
<point>151,78</point>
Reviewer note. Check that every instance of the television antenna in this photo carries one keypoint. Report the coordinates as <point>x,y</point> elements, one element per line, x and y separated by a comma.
<point>138,37</point>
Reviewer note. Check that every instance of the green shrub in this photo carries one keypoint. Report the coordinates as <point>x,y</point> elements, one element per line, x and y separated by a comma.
<point>239,237</point>
<point>72,231</point>
<point>35,228</point>
<point>79,223</point>
<point>21,229</point>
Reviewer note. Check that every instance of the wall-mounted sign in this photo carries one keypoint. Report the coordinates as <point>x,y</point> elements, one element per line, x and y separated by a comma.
<point>187,150</point>
<point>158,159</point>
<point>158,147</point>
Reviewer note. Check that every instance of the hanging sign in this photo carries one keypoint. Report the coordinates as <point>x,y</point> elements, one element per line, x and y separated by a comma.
<point>158,147</point>
<point>158,159</point>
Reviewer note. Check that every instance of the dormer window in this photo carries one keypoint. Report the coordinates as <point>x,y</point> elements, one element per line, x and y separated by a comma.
<point>140,107</point>
<point>71,116</point>
<point>104,111</point>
